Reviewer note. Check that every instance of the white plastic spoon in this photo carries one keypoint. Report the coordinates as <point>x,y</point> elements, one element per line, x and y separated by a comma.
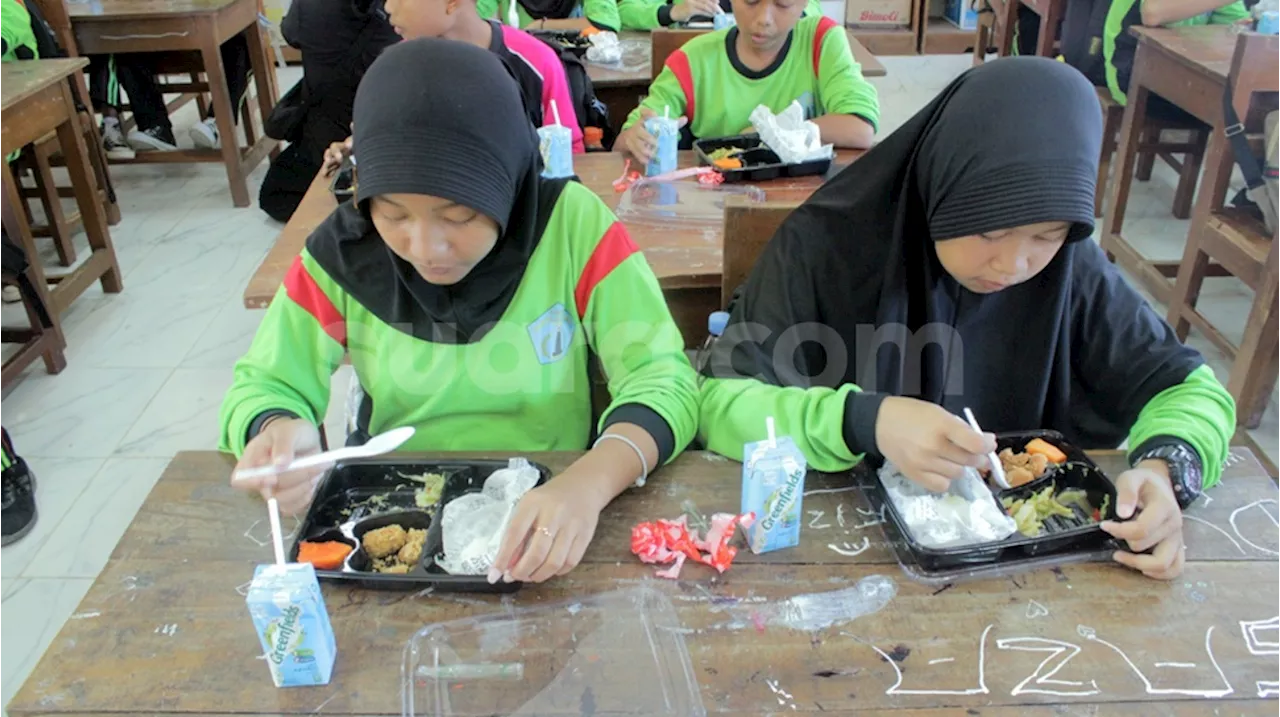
<point>997,469</point>
<point>376,446</point>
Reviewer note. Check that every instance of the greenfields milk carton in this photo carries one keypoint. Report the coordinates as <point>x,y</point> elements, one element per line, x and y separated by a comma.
<point>292,623</point>
<point>773,488</point>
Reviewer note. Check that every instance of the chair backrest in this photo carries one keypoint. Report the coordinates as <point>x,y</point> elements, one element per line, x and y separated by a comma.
<point>56,14</point>
<point>664,42</point>
<point>747,228</point>
<point>1254,72</point>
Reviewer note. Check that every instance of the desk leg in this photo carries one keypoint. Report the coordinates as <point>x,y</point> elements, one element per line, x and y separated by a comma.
<point>80,170</point>
<point>1135,113</point>
<point>1194,266</point>
<point>216,74</point>
<point>15,224</point>
<point>264,79</point>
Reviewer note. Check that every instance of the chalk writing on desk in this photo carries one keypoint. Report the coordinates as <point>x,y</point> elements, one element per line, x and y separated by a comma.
<point>1035,609</point>
<point>1253,524</point>
<point>817,516</point>
<point>1055,648</point>
<point>1262,506</point>
<point>1226,689</point>
<point>851,549</point>
<point>1262,636</point>
<point>981,689</point>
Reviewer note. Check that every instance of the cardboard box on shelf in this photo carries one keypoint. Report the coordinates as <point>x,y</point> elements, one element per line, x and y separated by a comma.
<point>962,13</point>
<point>878,13</point>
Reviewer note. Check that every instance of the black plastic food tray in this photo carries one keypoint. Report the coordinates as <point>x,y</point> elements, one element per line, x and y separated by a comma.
<point>342,511</point>
<point>759,162</point>
<point>1059,536</point>
<point>570,40</point>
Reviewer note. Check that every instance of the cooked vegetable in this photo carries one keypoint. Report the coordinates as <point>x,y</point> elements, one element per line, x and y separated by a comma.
<point>1030,513</point>
<point>324,556</point>
<point>724,153</point>
<point>432,486</point>
<point>727,163</point>
<point>1039,446</point>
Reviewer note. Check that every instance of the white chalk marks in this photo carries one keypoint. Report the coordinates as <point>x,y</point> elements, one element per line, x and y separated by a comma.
<point>1274,522</point>
<point>1225,534</point>
<point>851,549</point>
<point>1186,665</point>
<point>167,630</point>
<point>1035,609</point>
<point>785,699</point>
<point>1262,637</point>
<point>817,516</point>
<point>1055,648</point>
<point>981,689</point>
<point>1090,634</point>
<point>941,660</point>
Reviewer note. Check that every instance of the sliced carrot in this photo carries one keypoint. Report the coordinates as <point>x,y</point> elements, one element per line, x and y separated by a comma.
<point>1046,449</point>
<point>325,556</point>
<point>727,163</point>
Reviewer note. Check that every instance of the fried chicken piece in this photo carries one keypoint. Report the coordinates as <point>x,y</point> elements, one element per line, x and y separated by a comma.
<point>411,553</point>
<point>1018,475</point>
<point>1038,464</point>
<point>397,569</point>
<point>381,542</point>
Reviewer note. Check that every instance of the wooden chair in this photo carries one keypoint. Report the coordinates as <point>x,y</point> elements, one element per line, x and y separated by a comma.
<point>664,42</point>
<point>995,30</point>
<point>1050,12</point>
<point>1238,243</point>
<point>1151,147</point>
<point>747,229</point>
<point>42,338</point>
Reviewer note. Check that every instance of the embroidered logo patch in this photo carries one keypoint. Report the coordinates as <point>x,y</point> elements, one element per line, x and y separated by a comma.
<point>552,333</point>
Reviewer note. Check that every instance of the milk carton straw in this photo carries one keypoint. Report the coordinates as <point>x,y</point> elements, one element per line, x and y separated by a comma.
<point>773,488</point>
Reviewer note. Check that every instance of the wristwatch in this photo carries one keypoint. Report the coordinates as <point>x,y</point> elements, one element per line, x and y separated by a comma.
<point>1186,472</point>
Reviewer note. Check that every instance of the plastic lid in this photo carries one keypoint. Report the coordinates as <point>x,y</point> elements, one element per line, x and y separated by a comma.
<point>717,322</point>
<point>622,652</point>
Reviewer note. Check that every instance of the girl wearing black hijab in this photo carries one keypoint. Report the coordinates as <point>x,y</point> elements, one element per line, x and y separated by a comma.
<point>468,293</point>
<point>951,266</point>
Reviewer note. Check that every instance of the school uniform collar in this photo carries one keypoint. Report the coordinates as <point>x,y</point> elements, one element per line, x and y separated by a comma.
<point>731,47</point>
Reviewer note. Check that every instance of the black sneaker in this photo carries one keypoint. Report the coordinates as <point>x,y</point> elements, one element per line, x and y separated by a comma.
<point>155,139</point>
<point>18,511</point>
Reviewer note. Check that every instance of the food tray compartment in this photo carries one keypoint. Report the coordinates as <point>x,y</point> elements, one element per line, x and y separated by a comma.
<point>1081,534</point>
<point>570,40</point>
<point>759,162</point>
<point>361,495</point>
<point>620,653</point>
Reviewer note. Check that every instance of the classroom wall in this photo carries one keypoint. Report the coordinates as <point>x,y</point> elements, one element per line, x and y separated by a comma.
<point>834,9</point>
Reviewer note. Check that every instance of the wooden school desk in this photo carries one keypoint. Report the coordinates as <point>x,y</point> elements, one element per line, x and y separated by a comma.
<point>117,26</point>
<point>1187,66</point>
<point>687,261</point>
<point>164,629</point>
<point>622,90</point>
<point>37,100</point>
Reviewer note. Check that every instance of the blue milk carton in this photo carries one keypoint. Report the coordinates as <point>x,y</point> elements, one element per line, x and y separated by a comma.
<point>292,623</point>
<point>773,488</point>
<point>556,145</point>
<point>667,131</point>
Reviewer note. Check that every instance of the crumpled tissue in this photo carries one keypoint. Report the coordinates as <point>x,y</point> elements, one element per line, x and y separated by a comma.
<point>473,524</point>
<point>605,48</point>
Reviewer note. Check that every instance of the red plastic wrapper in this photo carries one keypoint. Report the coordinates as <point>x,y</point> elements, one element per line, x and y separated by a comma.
<point>671,541</point>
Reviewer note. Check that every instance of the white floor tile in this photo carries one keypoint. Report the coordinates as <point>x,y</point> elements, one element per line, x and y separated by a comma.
<point>59,482</point>
<point>80,413</point>
<point>34,613</point>
<point>136,330</point>
<point>84,542</point>
<point>182,417</point>
<point>227,338</point>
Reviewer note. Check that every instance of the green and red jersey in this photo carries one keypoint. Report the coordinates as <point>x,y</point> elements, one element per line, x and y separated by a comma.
<point>650,14</point>
<point>522,386</point>
<point>603,14</point>
<point>707,82</point>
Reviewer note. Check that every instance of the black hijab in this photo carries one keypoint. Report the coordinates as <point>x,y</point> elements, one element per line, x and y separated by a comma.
<point>445,119</point>
<point>1074,349</point>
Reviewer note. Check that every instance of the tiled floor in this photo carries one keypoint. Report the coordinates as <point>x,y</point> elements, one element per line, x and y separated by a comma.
<point>147,368</point>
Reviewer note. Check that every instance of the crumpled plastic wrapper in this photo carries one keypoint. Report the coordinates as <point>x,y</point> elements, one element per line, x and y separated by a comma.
<point>605,48</point>
<point>473,524</point>
<point>793,138</point>
<point>671,541</point>
<point>965,515</point>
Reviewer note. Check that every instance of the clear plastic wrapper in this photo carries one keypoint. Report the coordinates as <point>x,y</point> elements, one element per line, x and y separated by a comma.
<point>617,653</point>
<point>966,515</point>
<point>793,138</point>
<point>472,525</point>
<point>605,49</point>
<point>628,55</point>
<point>681,205</point>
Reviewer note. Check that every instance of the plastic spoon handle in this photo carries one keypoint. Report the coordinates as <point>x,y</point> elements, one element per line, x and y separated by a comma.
<point>997,469</point>
<point>379,444</point>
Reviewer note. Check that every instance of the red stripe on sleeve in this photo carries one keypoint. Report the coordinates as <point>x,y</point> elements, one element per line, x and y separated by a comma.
<point>824,25</point>
<point>303,290</point>
<point>614,248</point>
<point>678,63</point>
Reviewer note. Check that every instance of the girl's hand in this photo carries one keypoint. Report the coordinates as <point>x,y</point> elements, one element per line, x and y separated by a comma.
<point>550,530</point>
<point>1146,489</point>
<point>335,155</point>
<point>637,142</point>
<point>278,443</point>
<point>930,445</point>
<point>682,11</point>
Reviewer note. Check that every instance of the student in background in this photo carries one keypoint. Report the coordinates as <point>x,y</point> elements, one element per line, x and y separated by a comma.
<point>455,252</point>
<point>1096,40</point>
<point>554,14</point>
<point>19,41</point>
<point>771,57</point>
<point>651,14</point>
<point>963,239</point>
<point>338,39</point>
<point>536,67</point>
